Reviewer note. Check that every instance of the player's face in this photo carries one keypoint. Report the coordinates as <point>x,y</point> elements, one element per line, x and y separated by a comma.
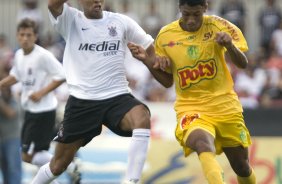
<point>26,38</point>
<point>92,8</point>
<point>192,17</point>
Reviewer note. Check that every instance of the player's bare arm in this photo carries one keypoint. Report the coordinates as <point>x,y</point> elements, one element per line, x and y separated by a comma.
<point>236,55</point>
<point>36,96</point>
<point>8,81</point>
<point>155,64</point>
<point>6,110</point>
<point>56,7</point>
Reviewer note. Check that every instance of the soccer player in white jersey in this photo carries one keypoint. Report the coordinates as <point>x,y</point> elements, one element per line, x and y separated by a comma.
<point>39,73</point>
<point>96,42</point>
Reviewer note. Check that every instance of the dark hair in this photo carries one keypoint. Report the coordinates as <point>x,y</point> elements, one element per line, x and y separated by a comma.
<point>192,2</point>
<point>28,23</point>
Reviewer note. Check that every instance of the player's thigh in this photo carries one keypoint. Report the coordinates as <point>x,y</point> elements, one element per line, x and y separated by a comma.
<point>137,117</point>
<point>126,114</point>
<point>193,130</point>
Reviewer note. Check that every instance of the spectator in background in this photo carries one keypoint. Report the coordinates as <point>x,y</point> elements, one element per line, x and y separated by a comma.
<point>271,95</point>
<point>137,74</point>
<point>55,44</point>
<point>211,10</point>
<point>126,10</point>
<point>31,10</point>
<point>234,11</point>
<point>108,7</point>
<point>249,83</point>
<point>276,41</point>
<point>6,53</point>
<point>269,20</point>
<point>155,92</point>
<point>10,157</point>
<point>152,21</point>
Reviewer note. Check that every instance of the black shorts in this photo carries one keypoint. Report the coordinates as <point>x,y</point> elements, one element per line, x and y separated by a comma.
<point>83,119</point>
<point>37,131</point>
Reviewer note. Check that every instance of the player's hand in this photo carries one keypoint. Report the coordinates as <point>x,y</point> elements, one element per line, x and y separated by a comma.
<point>223,39</point>
<point>161,62</point>
<point>36,96</point>
<point>137,51</point>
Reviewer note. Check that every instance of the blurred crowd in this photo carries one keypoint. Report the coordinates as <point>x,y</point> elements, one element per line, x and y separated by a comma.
<point>260,85</point>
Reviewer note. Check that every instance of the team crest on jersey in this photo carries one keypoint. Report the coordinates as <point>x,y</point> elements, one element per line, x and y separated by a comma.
<point>112,31</point>
<point>193,52</point>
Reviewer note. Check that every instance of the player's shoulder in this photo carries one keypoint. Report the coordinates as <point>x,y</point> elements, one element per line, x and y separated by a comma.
<point>42,52</point>
<point>173,26</point>
<point>40,49</point>
<point>216,21</point>
<point>114,15</point>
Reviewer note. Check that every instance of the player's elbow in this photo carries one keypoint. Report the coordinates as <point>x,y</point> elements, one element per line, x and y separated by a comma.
<point>243,64</point>
<point>168,83</point>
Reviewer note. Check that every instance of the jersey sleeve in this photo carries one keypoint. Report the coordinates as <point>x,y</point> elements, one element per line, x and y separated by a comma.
<point>62,23</point>
<point>14,71</point>
<point>238,38</point>
<point>53,67</point>
<point>135,34</point>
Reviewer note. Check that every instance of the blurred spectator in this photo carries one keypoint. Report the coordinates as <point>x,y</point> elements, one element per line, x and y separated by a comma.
<point>274,63</point>
<point>211,10</point>
<point>269,20</point>
<point>234,11</point>
<point>108,7</point>
<point>137,75</point>
<point>276,41</point>
<point>249,83</point>
<point>30,9</point>
<point>271,96</point>
<point>155,92</point>
<point>152,21</point>
<point>6,53</point>
<point>55,44</point>
<point>10,157</point>
<point>126,10</point>
<point>136,72</point>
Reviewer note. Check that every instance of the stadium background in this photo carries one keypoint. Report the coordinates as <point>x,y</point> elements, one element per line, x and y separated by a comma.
<point>167,8</point>
<point>104,160</point>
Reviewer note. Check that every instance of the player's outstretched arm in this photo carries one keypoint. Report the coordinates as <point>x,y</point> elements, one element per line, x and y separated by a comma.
<point>8,81</point>
<point>154,63</point>
<point>36,96</point>
<point>6,110</point>
<point>56,7</point>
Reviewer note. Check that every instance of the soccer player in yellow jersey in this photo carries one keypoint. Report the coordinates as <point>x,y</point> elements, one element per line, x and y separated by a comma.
<point>209,115</point>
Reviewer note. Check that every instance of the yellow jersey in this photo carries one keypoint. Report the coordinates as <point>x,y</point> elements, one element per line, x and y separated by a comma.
<point>202,79</point>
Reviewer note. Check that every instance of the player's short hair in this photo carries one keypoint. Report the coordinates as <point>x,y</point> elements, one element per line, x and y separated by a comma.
<point>192,2</point>
<point>28,23</point>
